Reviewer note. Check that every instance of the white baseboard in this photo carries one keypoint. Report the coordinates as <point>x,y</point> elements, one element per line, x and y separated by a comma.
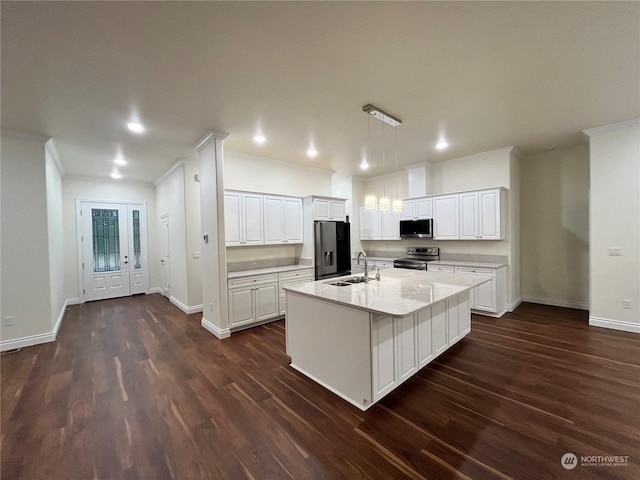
<point>220,333</point>
<point>186,309</point>
<point>40,338</point>
<point>556,302</point>
<point>154,290</point>
<point>27,341</point>
<point>614,324</point>
<point>513,305</point>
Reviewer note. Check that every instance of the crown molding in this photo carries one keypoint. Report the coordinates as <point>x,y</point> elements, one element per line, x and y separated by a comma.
<point>612,127</point>
<point>106,180</point>
<point>415,165</point>
<point>282,163</point>
<point>208,138</point>
<point>27,136</point>
<point>172,169</point>
<point>51,148</point>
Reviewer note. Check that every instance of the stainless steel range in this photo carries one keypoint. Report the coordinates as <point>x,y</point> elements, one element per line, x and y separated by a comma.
<point>417,258</point>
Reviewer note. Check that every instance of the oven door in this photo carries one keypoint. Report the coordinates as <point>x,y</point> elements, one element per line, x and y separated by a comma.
<point>410,264</point>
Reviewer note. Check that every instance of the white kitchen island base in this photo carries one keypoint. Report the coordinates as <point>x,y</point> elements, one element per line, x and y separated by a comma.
<point>362,355</point>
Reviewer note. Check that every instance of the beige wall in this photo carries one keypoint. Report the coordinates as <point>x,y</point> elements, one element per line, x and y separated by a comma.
<point>614,221</point>
<point>170,200</point>
<point>193,240</point>
<point>260,174</point>
<point>55,229</point>
<point>555,227</point>
<point>25,253</point>
<point>96,189</point>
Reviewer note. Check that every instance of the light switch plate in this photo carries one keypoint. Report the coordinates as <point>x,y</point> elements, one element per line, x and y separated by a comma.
<point>626,304</point>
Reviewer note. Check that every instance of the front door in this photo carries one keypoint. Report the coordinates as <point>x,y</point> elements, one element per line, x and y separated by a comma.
<point>113,245</point>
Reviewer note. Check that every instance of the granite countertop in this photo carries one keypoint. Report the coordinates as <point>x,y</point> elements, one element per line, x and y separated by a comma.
<point>262,271</point>
<point>458,263</point>
<point>399,292</point>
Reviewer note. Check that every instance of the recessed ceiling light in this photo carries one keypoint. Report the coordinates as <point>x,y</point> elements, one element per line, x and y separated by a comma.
<point>120,161</point>
<point>312,152</point>
<point>116,175</point>
<point>136,127</point>
<point>442,144</point>
<point>364,165</point>
<point>259,139</point>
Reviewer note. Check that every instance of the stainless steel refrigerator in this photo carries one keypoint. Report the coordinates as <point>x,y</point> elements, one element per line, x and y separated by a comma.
<point>332,249</point>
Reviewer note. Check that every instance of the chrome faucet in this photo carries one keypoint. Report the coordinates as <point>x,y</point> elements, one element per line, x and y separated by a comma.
<point>366,267</point>
<point>377,272</point>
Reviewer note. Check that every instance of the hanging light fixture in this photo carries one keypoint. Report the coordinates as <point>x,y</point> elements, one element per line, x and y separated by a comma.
<point>396,205</point>
<point>384,204</point>
<point>371,202</point>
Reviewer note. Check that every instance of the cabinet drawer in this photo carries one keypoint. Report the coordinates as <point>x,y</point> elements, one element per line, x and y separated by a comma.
<point>296,275</point>
<point>383,264</point>
<point>440,268</point>
<point>252,280</point>
<point>476,271</point>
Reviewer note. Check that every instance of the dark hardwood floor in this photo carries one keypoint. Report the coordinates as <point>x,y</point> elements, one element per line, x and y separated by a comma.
<point>135,389</point>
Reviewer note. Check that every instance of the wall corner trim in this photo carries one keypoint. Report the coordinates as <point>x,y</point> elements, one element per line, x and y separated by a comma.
<point>51,148</point>
<point>210,327</point>
<point>614,324</point>
<point>513,305</point>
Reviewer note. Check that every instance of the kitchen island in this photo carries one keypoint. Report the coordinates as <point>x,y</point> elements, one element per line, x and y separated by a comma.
<point>362,340</point>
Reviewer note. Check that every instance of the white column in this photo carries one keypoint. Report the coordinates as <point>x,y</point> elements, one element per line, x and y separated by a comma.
<point>213,254</point>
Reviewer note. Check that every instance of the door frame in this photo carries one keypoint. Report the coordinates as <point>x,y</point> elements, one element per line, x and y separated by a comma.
<point>144,238</point>
<point>167,293</point>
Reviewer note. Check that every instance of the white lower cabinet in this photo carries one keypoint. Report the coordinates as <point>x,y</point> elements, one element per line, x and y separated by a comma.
<point>400,346</point>
<point>287,279</point>
<point>384,356</point>
<point>252,299</point>
<point>485,296</point>
<point>488,298</point>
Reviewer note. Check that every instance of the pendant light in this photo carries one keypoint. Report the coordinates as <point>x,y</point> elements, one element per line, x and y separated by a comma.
<point>396,205</point>
<point>370,200</point>
<point>384,204</point>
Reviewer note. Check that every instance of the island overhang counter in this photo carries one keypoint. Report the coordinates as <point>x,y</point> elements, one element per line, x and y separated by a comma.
<point>363,340</point>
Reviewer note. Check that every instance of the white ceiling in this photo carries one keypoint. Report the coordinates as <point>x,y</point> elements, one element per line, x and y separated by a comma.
<point>487,75</point>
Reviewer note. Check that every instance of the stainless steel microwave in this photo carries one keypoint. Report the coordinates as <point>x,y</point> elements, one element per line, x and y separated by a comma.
<point>416,228</point>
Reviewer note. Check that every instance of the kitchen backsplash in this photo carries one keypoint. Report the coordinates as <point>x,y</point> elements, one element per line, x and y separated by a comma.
<point>250,258</point>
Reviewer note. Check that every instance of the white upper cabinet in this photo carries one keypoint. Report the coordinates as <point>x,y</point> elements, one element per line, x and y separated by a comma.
<point>243,218</point>
<point>326,208</point>
<point>273,220</point>
<point>446,217</point>
<point>282,220</point>
<point>292,220</point>
<point>390,225</point>
<point>376,225</point>
<point>417,208</point>
<point>481,216</point>
<point>258,219</point>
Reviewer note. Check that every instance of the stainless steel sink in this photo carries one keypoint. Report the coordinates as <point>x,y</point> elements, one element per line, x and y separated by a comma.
<point>347,281</point>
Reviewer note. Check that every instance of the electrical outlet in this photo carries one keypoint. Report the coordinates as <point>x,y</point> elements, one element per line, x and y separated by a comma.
<point>196,254</point>
<point>8,321</point>
<point>615,252</point>
<point>626,304</point>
